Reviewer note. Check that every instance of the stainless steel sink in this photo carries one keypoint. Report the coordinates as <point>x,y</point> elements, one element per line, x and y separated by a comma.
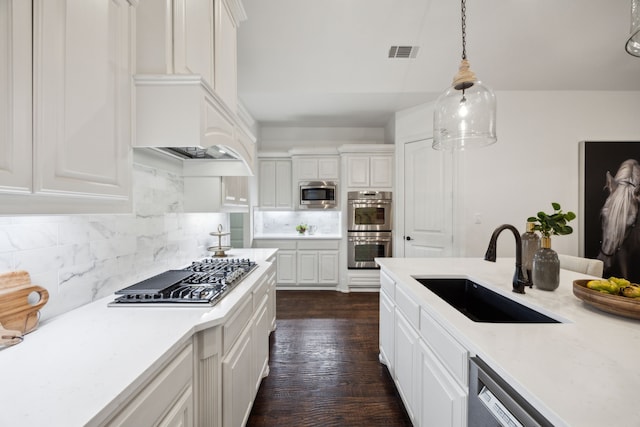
<point>481,304</point>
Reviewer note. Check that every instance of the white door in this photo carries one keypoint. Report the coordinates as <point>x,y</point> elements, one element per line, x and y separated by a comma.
<point>428,210</point>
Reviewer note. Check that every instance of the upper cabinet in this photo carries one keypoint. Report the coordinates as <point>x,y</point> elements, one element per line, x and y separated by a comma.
<point>275,187</point>
<point>368,166</point>
<point>15,102</point>
<point>68,110</point>
<point>191,37</point>
<point>316,168</point>
<point>186,76</point>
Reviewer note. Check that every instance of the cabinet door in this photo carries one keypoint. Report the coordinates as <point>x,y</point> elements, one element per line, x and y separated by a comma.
<point>358,171</point>
<point>387,314</point>
<point>328,168</point>
<point>443,402</point>
<point>267,184</point>
<point>287,267</point>
<point>284,199</point>
<point>82,85</point>
<point>306,169</point>
<point>225,55</point>
<point>328,267</point>
<point>15,102</point>
<point>406,363</point>
<point>193,38</point>
<point>307,267</point>
<point>237,382</point>
<point>381,171</point>
<point>261,330</point>
<point>181,413</point>
<point>275,184</point>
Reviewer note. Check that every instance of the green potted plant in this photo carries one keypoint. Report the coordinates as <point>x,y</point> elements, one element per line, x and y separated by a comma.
<point>546,265</point>
<point>301,228</point>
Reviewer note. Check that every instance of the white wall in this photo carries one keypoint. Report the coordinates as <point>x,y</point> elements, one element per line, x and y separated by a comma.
<point>274,138</point>
<point>81,258</point>
<point>535,161</point>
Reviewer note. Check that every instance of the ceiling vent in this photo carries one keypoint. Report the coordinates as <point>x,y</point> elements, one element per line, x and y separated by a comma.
<point>403,51</point>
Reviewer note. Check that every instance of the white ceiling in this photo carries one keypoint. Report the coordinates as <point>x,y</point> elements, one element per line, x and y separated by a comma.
<point>324,63</point>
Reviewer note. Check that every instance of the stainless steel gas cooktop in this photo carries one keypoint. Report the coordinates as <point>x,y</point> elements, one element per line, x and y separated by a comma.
<point>204,282</point>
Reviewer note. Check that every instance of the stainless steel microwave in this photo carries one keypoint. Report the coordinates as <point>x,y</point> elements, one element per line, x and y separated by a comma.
<point>318,195</point>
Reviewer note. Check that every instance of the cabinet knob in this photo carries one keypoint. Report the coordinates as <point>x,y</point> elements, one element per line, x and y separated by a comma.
<point>408,238</point>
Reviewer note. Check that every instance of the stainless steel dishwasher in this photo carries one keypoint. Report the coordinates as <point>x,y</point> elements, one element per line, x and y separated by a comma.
<point>493,402</point>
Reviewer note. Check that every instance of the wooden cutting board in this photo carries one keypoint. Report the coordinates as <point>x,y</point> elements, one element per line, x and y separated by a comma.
<point>16,313</point>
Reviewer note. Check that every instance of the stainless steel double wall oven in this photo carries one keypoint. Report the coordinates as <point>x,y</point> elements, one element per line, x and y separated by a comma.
<point>369,229</point>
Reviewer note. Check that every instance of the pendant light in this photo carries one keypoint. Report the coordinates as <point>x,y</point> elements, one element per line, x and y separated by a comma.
<point>465,115</point>
<point>633,44</point>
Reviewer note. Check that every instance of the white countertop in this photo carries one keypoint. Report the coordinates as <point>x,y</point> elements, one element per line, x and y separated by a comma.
<point>580,373</point>
<point>74,367</point>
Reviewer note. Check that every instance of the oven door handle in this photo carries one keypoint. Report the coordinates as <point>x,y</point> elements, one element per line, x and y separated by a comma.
<point>368,239</point>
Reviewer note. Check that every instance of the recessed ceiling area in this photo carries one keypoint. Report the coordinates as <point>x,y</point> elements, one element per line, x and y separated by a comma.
<point>311,63</point>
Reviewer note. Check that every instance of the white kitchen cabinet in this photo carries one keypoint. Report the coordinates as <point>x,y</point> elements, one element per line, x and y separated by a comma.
<point>442,401</point>
<point>307,267</point>
<point>428,365</point>
<point>166,400</point>
<point>305,263</point>
<point>387,322</point>
<point>15,102</point>
<point>237,382</point>
<point>78,150</point>
<point>364,171</point>
<point>82,124</point>
<point>287,263</point>
<point>235,191</point>
<point>275,186</point>
<point>406,357</point>
<point>191,37</point>
<point>261,329</point>
<point>225,55</point>
<point>328,267</point>
<point>316,168</point>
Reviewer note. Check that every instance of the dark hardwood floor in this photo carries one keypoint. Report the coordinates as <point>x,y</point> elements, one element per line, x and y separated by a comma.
<point>324,368</point>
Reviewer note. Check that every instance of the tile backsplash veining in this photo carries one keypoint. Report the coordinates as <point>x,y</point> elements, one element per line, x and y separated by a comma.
<point>81,258</point>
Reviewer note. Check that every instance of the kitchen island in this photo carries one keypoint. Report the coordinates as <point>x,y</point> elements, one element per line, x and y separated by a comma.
<point>580,372</point>
<point>100,365</point>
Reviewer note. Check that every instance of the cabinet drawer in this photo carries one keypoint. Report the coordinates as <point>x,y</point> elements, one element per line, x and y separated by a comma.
<point>319,245</point>
<point>260,291</point>
<point>450,352</point>
<point>387,284</point>
<point>236,324</point>
<point>409,308</point>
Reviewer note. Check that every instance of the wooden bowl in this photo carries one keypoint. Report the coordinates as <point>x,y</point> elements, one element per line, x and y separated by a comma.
<point>615,304</point>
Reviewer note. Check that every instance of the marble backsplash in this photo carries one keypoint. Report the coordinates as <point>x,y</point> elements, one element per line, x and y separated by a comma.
<point>81,258</point>
<point>267,223</point>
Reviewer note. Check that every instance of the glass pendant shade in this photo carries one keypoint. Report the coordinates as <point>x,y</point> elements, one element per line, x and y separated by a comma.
<point>633,44</point>
<point>465,118</point>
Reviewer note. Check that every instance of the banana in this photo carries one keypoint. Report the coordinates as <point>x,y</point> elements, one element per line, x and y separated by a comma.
<point>604,286</point>
<point>632,291</point>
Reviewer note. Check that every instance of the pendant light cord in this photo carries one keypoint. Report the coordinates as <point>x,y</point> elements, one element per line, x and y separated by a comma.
<point>464,29</point>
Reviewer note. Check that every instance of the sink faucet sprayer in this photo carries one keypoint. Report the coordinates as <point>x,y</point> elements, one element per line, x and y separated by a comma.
<point>519,282</point>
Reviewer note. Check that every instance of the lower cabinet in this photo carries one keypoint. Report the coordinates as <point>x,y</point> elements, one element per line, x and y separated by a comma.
<point>444,402</point>
<point>237,382</point>
<point>167,400</point>
<point>213,380</point>
<point>305,263</point>
<point>428,365</point>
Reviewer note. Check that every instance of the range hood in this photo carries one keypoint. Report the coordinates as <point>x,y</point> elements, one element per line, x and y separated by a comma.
<point>180,116</point>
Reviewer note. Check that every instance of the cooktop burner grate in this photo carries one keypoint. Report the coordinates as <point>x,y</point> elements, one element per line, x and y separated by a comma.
<point>203,282</point>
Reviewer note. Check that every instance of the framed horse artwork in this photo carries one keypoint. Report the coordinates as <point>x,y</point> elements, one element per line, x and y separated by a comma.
<point>610,205</point>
